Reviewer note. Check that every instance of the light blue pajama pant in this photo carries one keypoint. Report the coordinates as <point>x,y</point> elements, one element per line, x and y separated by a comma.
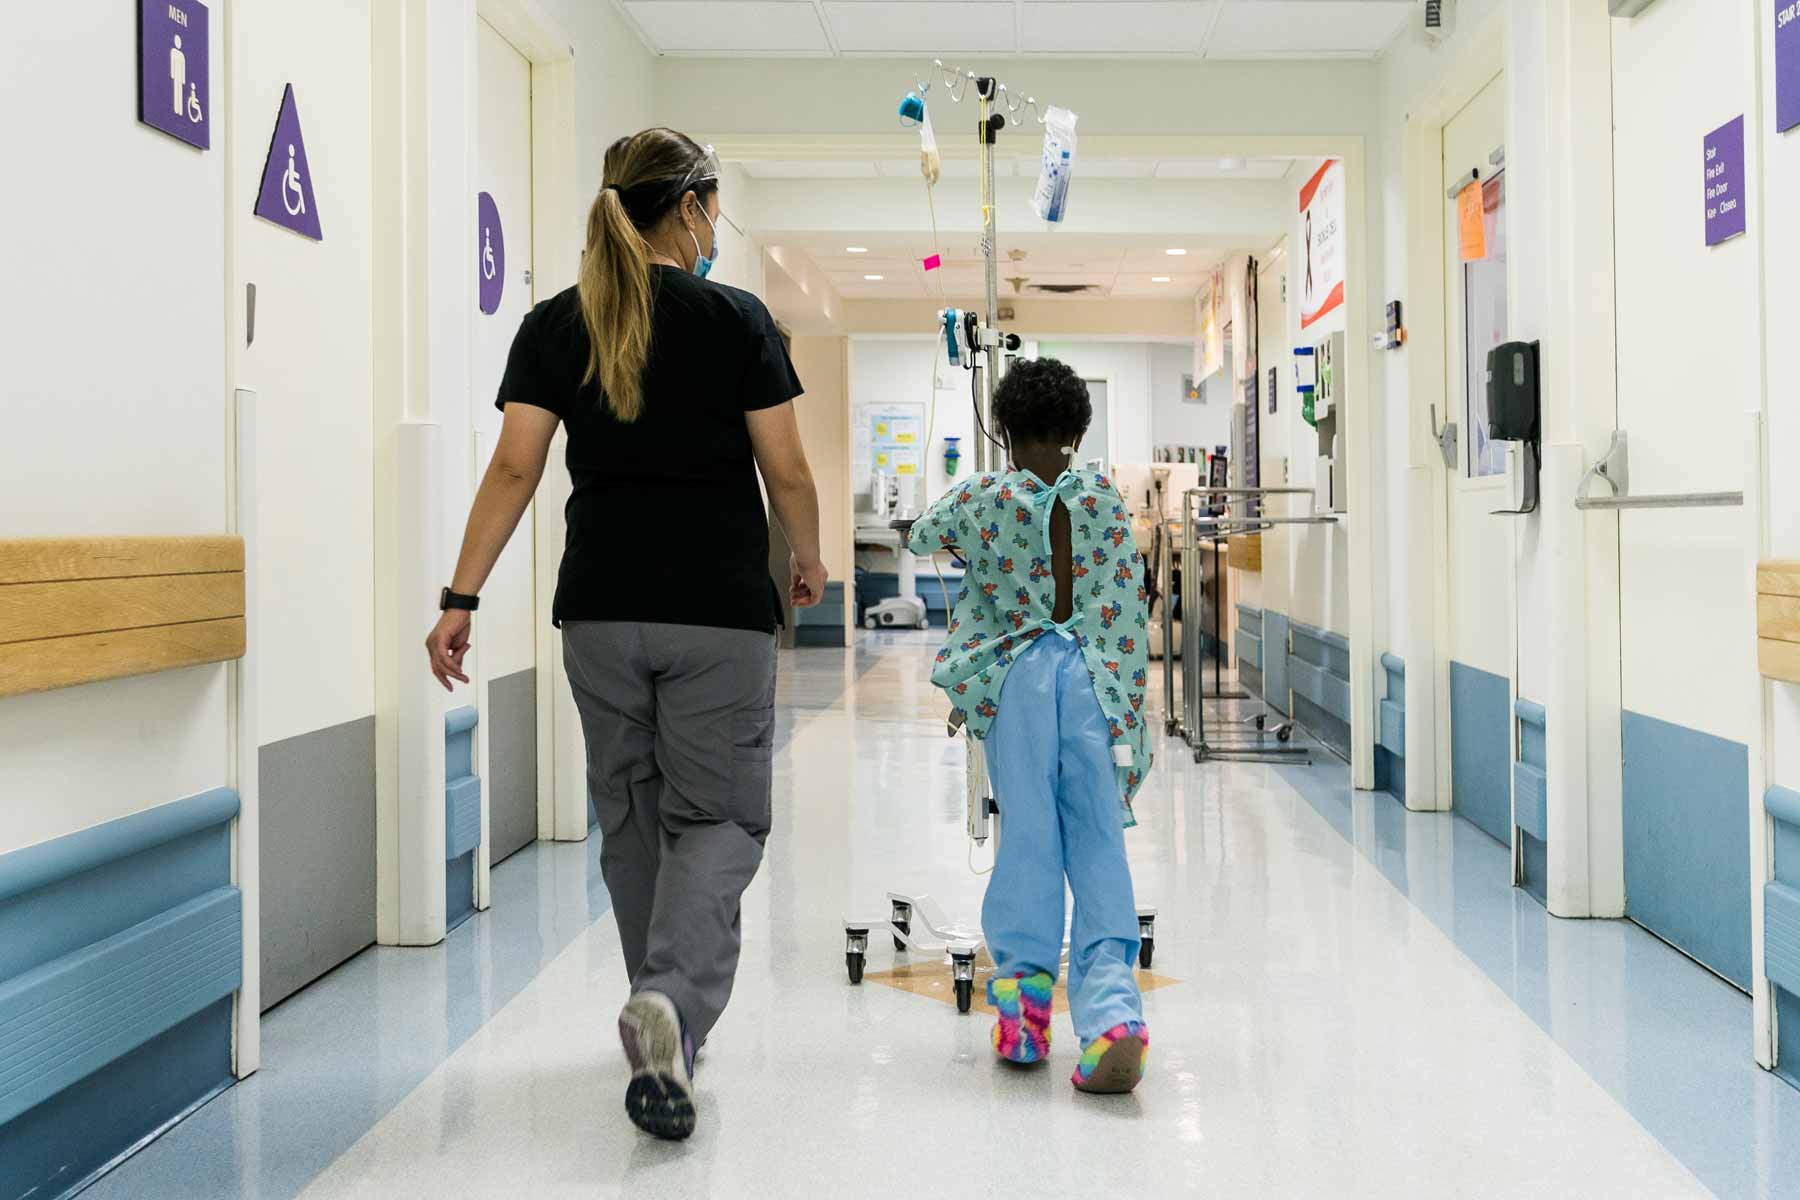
<point>1049,754</point>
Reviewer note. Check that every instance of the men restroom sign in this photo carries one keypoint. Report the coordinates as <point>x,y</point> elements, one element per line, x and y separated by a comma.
<point>174,52</point>
<point>490,253</point>
<point>286,196</point>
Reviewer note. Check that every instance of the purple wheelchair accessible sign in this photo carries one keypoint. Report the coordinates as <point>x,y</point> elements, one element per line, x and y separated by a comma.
<point>286,197</point>
<point>490,253</point>
<point>174,54</point>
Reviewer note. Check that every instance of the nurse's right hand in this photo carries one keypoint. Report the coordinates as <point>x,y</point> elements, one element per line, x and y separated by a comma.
<point>808,583</point>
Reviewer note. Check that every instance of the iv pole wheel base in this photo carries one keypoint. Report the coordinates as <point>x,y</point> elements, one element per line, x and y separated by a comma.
<point>856,945</point>
<point>962,969</point>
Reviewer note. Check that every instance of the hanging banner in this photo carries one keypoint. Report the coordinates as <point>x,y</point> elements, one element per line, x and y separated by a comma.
<point>1322,244</point>
<point>174,69</point>
<point>286,196</point>
<point>1209,335</point>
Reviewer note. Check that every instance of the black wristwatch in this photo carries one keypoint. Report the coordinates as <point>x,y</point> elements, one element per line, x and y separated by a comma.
<point>449,600</point>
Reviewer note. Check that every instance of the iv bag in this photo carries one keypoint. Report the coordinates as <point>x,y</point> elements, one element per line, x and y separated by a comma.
<point>930,165</point>
<point>1050,199</point>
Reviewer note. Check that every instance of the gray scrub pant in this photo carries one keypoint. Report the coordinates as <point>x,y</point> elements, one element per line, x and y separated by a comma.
<point>679,723</point>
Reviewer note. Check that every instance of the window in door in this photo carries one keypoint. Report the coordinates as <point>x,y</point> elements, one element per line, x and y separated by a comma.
<point>1484,326</point>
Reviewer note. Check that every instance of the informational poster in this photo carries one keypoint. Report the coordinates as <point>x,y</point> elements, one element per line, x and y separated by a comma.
<point>286,196</point>
<point>1726,217</point>
<point>1471,228</point>
<point>889,438</point>
<point>1323,259</point>
<point>490,254</point>
<point>174,69</point>
<point>1787,65</point>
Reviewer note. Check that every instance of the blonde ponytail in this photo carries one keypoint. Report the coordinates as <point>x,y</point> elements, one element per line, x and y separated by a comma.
<point>615,304</point>
<point>647,175</point>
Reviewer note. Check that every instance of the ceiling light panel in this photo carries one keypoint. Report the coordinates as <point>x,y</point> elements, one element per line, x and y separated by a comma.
<point>934,27</point>
<point>724,27</point>
<point>1307,28</point>
<point>1117,27</point>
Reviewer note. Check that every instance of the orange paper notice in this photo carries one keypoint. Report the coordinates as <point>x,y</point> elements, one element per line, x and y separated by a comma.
<point>1470,220</point>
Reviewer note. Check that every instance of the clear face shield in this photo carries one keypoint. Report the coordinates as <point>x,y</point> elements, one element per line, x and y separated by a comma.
<point>707,167</point>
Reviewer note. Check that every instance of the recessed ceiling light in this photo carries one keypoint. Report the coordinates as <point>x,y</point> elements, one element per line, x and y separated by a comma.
<point>1231,164</point>
<point>856,249</point>
<point>1159,279</point>
<point>1176,251</point>
<point>874,278</point>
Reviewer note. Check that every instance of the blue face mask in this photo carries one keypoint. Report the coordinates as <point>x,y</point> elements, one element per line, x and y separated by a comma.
<point>702,263</point>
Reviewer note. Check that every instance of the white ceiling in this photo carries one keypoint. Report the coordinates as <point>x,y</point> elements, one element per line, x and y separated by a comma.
<point>1252,169</point>
<point>1090,28</point>
<point>1117,266</point>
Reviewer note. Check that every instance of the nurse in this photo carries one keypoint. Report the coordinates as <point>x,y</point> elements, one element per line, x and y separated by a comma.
<point>676,393</point>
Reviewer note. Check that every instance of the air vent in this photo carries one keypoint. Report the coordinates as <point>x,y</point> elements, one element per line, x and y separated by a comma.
<point>1065,289</point>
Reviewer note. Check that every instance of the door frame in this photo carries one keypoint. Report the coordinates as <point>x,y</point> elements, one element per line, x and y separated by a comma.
<point>1430,484</point>
<point>554,256</point>
<point>1105,377</point>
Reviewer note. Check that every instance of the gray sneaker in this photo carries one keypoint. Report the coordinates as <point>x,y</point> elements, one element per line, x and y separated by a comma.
<point>660,1097</point>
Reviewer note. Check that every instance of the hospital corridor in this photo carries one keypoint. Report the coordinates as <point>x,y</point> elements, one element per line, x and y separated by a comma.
<point>765,598</point>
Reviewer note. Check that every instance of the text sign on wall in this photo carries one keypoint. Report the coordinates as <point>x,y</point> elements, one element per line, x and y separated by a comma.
<point>1322,244</point>
<point>1725,215</point>
<point>286,196</point>
<point>1787,65</point>
<point>173,69</point>
<point>490,251</point>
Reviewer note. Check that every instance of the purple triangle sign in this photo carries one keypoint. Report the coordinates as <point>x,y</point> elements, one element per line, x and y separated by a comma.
<point>286,197</point>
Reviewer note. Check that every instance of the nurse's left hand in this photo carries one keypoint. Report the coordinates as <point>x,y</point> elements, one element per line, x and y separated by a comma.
<point>448,642</point>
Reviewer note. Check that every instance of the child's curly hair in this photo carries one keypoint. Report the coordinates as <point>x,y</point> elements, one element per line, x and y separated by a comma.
<point>1042,400</point>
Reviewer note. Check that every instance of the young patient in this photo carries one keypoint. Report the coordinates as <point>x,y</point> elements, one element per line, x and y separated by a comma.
<point>1046,664</point>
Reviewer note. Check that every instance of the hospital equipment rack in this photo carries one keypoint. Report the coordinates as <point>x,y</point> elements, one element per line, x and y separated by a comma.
<point>1191,725</point>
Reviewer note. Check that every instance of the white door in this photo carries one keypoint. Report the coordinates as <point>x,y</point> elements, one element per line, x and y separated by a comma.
<point>1481,645</point>
<point>1688,366</point>
<point>505,629</point>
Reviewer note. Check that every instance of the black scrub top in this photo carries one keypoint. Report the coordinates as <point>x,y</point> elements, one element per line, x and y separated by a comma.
<point>666,522</point>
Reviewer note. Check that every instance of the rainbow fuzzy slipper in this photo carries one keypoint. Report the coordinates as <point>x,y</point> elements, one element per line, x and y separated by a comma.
<point>1114,1061</point>
<point>1022,1034</point>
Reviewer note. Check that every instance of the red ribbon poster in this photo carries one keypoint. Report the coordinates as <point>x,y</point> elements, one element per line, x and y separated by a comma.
<point>1321,266</point>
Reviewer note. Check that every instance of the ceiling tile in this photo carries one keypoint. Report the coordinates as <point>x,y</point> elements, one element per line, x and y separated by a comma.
<point>921,26</point>
<point>1113,168</point>
<point>1272,28</point>
<point>1117,26</point>
<point>723,27</point>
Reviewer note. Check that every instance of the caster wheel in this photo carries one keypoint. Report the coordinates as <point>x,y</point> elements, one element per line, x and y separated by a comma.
<point>1261,721</point>
<point>1146,952</point>
<point>871,623</point>
<point>856,946</point>
<point>965,994</point>
<point>903,927</point>
<point>1284,734</point>
<point>1199,758</point>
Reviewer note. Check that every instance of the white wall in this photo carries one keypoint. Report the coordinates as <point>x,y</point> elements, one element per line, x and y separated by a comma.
<point>1126,368</point>
<point>115,398</point>
<point>1173,419</point>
